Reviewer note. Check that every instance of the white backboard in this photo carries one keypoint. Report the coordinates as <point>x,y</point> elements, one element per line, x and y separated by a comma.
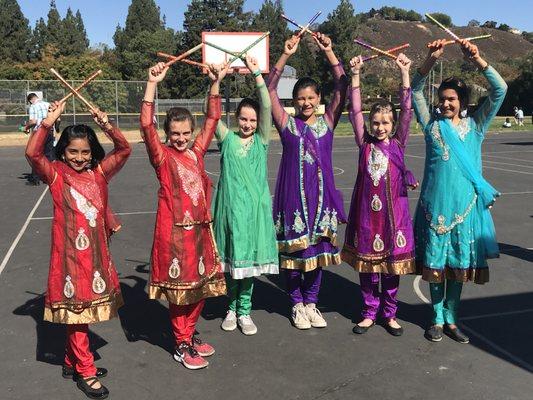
<point>236,42</point>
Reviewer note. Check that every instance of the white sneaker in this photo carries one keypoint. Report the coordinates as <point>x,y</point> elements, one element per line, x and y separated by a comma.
<point>247,325</point>
<point>315,316</point>
<point>230,322</point>
<point>299,317</point>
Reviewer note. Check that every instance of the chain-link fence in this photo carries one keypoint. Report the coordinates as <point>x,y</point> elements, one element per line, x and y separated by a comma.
<point>120,99</point>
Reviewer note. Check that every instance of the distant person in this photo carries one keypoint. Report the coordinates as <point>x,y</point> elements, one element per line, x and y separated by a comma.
<point>515,113</point>
<point>507,123</point>
<point>520,117</point>
<point>37,112</point>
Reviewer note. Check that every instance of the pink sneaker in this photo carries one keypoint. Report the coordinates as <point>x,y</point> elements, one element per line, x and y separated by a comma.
<point>203,349</point>
<point>189,357</point>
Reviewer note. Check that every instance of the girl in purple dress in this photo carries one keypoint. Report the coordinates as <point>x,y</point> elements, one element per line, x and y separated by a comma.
<point>379,235</point>
<point>307,206</point>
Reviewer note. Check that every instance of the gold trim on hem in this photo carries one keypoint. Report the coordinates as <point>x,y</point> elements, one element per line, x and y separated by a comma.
<point>290,246</point>
<point>402,267</point>
<point>96,313</point>
<point>476,275</point>
<point>188,296</point>
<point>309,264</point>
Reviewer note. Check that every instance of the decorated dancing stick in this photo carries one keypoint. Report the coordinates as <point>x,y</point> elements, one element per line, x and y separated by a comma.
<point>394,49</point>
<point>74,91</point>
<point>306,28</point>
<point>385,53</point>
<point>470,39</point>
<point>449,32</point>
<point>183,60</point>
<point>235,54</point>
<point>298,25</point>
<point>84,83</point>
<point>183,55</point>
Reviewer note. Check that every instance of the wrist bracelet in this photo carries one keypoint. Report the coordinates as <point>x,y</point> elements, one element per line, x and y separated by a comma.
<point>256,73</point>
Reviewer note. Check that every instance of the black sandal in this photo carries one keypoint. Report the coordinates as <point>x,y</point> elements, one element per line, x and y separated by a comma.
<point>85,385</point>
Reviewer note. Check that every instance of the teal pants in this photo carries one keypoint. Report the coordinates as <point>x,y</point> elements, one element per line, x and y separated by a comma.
<point>445,301</point>
<point>240,294</point>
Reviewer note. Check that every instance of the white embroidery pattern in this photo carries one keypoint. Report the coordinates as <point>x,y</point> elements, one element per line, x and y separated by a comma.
<point>377,164</point>
<point>187,221</point>
<point>98,283</point>
<point>334,222</point>
<point>174,269</point>
<point>309,158</point>
<point>435,131</point>
<point>378,244</point>
<point>201,266</point>
<point>298,225</point>
<point>243,149</point>
<point>82,241</point>
<point>191,183</point>
<point>68,289</point>
<point>278,225</point>
<point>462,128</point>
<point>325,221</point>
<point>85,207</point>
<point>401,242</point>
<point>376,204</point>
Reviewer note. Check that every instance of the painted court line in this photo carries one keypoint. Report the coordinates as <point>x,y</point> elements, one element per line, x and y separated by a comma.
<point>120,213</point>
<point>22,230</point>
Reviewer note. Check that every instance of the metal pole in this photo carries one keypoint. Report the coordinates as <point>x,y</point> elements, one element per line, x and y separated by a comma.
<point>227,90</point>
<point>116,103</point>
<point>157,106</point>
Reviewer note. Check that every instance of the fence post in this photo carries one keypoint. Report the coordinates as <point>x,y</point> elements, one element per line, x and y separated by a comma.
<point>156,106</point>
<point>116,103</point>
<point>73,106</point>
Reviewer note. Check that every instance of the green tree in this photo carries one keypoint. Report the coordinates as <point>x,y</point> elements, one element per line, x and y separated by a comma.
<point>15,33</point>
<point>504,27</point>
<point>519,92</point>
<point>38,41</point>
<point>74,38</point>
<point>444,19</point>
<point>54,27</point>
<point>489,24</point>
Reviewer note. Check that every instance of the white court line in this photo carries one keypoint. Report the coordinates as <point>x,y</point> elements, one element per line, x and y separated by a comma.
<point>471,332</point>
<point>22,230</point>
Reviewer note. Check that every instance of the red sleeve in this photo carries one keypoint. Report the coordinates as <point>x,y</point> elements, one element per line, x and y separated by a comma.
<point>150,136</point>
<point>116,159</point>
<point>35,154</point>
<point>214,112</point>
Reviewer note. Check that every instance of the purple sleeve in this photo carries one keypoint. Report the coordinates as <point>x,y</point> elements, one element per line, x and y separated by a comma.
<point>404,121</point>
<point>279,115</point>
<point>356,116</point>
<point>335,106</point>
<point>410,179</point>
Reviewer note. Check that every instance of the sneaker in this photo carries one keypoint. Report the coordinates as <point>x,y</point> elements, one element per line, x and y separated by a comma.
<point>230,322</point>
<point>299,317</point>
<point>456,334</point>
<point>434,333</point>
<point>203,349</point>
<point>247,325</point>
<point>315,316</point>
<point>189,357</point>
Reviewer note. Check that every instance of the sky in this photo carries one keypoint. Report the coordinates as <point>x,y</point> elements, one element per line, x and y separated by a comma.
<point>101,17</point>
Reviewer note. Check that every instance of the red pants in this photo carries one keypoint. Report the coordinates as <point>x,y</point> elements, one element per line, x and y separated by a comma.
<point>183,320</point>
<point>77,353</point>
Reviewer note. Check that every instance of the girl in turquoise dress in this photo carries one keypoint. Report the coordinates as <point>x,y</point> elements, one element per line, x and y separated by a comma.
<point>454,232</point>
<point>244,229</point>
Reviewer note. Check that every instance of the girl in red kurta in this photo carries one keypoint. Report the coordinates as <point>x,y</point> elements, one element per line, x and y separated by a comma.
<point>83,285</point>
<point>186,267</point>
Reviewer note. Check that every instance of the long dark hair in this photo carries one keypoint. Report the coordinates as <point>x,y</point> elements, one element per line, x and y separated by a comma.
<point>250,103</point>
<point>80,132</point>
<point>460,87</point>
<point>303,83</point>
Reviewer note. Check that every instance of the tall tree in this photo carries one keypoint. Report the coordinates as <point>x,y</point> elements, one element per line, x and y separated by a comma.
<point>38,41</point>
<point>54,28</point>
<point>15,32</point>
<point>73,39</point>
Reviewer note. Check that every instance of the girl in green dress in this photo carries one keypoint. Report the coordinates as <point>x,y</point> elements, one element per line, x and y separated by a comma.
<point>244,229</point>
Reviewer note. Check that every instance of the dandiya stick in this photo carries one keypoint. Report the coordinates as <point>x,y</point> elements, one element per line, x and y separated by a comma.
<point>183,55</point>
<point>306,28</point>
<point>74,91</point>
<point>470,39</point>
<point>394,49</point>
<point>184,60</point>
<point>385,53</point>
<point>449,32</point>
<point>84,83</point>
<point>297,24</point>
<point>239,55</point>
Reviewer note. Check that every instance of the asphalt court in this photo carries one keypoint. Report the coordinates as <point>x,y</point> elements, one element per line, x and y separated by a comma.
<point>280,361</point>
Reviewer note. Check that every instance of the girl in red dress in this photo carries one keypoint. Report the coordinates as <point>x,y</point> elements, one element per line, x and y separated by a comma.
<point>185,264</point>
<point>83,286</point>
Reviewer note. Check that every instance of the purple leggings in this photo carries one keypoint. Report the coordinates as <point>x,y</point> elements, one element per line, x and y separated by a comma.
<point>373,299</point>
<point>303,290</point>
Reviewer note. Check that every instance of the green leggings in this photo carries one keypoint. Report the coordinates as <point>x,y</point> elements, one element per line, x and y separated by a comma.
<point>240,294</point>
<point>445,309</point>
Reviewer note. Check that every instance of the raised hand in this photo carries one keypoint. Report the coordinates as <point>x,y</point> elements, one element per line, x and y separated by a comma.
<point>157,73</point>
<point>324,42</point>
<point>54,112</point>
<point>291,45</point>
<point>356,64</point>
<point>403,62</point>
<point>469,50</point>
<point>436,48</point>
<point>251,63</point>
<point>101,119</point>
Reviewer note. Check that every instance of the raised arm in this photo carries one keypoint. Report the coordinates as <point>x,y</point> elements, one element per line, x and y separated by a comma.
<point>279,114</point>
<point>214,110</point>
<point>336,104</point>
<point>488,109</point>
<point>151,138</point>
<point>115,160</point>
<point>265,108</point>
<point>355,111</point>
<point>35,147</point>
<point>406,114</point>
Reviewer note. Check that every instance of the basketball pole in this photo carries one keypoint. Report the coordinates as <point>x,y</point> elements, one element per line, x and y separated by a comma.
<point>227,93</point>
